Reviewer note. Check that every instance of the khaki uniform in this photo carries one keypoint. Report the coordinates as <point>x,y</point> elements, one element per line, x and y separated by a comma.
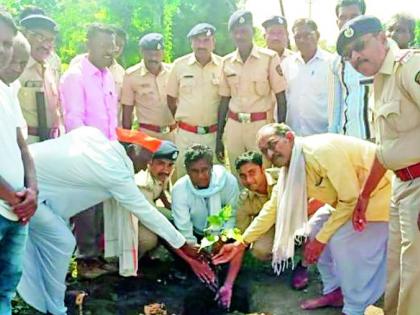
<point>118,72</point>
<point>151,189</point>
<point>40,78</point>
<point>249,205</point>
<point>147,93</point>
<point>397,115</point>
<point>250,85</point>
<point>197,90</point>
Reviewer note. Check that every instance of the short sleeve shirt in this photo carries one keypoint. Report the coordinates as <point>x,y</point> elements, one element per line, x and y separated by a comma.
<point>250,84</point>
<point>197,90</point>
<point>147,93</point>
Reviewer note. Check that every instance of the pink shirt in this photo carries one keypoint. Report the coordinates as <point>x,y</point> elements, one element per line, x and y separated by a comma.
<point>88,98</point>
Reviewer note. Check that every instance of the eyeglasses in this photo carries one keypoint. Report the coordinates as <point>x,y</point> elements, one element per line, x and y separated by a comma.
<point>304,35</point>
<point>358,45</point>
<point>41,38</point>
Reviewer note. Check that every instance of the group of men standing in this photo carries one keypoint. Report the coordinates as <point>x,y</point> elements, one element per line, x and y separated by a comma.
<point>333,190</point>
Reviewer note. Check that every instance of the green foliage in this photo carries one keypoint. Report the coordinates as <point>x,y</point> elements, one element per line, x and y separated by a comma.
<point>417,39</point>
<point>215,231</point>
<point>172,18</point>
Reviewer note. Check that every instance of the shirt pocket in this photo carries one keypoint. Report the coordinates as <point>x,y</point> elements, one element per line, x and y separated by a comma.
<point>262,87</point>
<point>388,116</point>
<point>233,81</point>
<point>186,84</point>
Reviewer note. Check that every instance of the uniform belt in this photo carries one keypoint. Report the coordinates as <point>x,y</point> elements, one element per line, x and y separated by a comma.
<point>159,129</point>
<point>34,131</point>
<point>247,117</point>
<point>408,173</point>
<point>201,130</point>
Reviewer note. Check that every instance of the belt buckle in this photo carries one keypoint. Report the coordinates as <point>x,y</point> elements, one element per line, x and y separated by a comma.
<point>244,117</point>
<point>202,130</point>
<point>165,129</point>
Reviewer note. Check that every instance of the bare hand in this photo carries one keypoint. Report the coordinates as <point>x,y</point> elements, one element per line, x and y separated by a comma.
<point>26,208</point>
<point>193,251</point>
<point>359,214</point>
<point>220,150</point>
<point>228,252</point>
<point>224,296</point>
<point>203,271</point>
<point>313,249</point>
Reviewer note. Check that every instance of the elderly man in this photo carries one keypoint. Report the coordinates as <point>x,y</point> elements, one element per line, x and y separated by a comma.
<point>276,36</point>
<point>348,90</point>
<point>86,164</point>
<point>144,89</point>
<point>193,92</point>
<point>204,191</point>
<point>154,184</point>
<point>396,73</point>
<point>250,77</point>
<point>38,95</point>
<point>352,264</point>
<point>17,203</point>
<point>306,76</point>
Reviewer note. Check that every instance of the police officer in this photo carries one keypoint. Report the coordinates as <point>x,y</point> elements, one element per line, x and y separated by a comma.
<point>144,87</point>
<point>276,35</point>
<point>38,95</point>
<point>396,73</point>
<point>154,183</point>
<point>249,77</point>
<point>193,97</point>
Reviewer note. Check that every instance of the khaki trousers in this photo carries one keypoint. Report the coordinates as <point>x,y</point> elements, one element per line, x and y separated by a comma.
<point>147,239</point>
<point>263,247</point>
<point>241,137</point>
<point>402,295</point>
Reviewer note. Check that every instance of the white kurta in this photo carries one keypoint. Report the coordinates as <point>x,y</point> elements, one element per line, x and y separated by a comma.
<point>75,172</point>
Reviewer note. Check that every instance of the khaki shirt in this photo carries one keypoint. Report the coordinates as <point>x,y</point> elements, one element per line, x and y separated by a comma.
<point>336,167</point>
<point>151,188</point>
<point>147,93</point>
<point>397,108</point>
<point>286,53</point>
<point>196,88</point>
<point>39,78</point>
<point>251,84</point>
<point>250,202</point>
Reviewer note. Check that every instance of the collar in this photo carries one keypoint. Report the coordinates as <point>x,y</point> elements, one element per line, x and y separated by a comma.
<point>32,63</point>
<point>389,61</point>
<point>319,54</point>
<point>89,67</point>
<point>254,53</point>
<point>271,175</point>
<point>192,59</point>
<point>144,71</point>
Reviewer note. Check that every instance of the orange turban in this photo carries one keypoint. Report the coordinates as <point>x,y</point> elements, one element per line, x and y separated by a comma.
<point>139,138</point>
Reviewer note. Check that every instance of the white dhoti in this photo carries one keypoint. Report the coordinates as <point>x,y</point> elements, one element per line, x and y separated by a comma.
<point>353,261</point>
<point>49,248</point>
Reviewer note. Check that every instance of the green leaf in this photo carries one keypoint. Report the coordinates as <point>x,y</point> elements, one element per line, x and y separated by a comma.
<point>226,213</point>
<point>208,241</point>
<point>215,220</point>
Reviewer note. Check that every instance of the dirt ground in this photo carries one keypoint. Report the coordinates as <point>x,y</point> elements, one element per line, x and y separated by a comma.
<point>260,292</point>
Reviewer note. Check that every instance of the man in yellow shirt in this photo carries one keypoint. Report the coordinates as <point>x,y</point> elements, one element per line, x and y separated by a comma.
<point>352,265</point>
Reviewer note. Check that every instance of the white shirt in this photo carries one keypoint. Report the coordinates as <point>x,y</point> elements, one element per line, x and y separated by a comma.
<point>307,92</point>
<point>11,165</point>
<point>83,168</point>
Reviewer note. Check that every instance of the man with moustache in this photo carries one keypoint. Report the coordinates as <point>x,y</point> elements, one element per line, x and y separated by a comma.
<point>144,88</point>
<point>349,90</point>
<point>154,183</point>
<point>276,36</point>
<point>74,172</point>
<point>89,98</point>
<point>250,76</point>
<point>363,42</point>
<point>306,76</point>
<point>193,92</point>
<point>351,264</point>
<point>38,95</point>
